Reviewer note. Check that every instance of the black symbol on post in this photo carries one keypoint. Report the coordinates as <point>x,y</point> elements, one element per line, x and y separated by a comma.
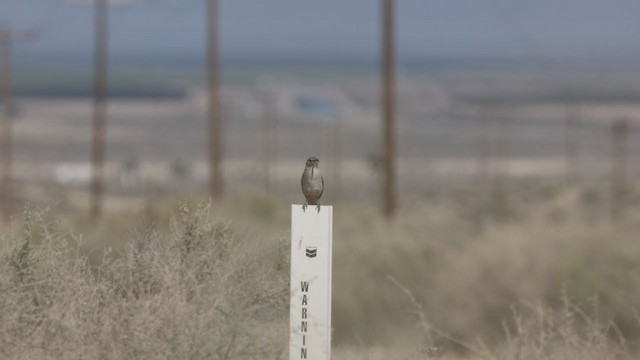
<point>311,251</point>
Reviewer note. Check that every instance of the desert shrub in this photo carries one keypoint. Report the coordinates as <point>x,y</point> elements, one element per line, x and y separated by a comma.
<point>198,291</point>
<point>181,284</point>
<point>467,278</point>
<point>533,332</point>
<point>569,332</point>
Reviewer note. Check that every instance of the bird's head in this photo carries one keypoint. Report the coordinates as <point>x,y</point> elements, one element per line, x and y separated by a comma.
<point>312,162</point>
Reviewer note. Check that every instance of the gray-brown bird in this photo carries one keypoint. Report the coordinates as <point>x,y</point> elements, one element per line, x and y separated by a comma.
<point>312,184</point>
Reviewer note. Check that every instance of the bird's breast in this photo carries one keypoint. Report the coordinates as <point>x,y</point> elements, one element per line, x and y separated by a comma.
<point>312,182</point>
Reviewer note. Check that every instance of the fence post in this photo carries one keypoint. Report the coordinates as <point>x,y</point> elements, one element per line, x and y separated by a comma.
<point>6,124</point>
<point>310,301</point>
<point>389,107</point>
<point>100,84</point>
<point>483,146</point>
<point>620,130</point>
<point>502,155</point>
<point>269,138</point>
<point>572,115</point>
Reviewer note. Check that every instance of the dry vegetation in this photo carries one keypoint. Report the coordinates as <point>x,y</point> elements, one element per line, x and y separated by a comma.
<point>196,292</point>
<point>536,272</point>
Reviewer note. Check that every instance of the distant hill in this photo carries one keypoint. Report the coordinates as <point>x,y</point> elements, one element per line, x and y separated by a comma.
<point>78,84</point>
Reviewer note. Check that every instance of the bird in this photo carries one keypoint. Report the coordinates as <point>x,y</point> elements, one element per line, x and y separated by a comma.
<point>312,184</point>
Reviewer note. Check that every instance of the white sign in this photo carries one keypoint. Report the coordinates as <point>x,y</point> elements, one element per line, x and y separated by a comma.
<point>310,307</point>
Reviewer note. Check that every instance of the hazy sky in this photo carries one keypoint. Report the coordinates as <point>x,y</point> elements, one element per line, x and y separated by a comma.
<point>255,29</point>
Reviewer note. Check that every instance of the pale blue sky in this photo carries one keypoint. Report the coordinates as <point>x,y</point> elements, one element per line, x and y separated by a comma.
<point>334,29</point>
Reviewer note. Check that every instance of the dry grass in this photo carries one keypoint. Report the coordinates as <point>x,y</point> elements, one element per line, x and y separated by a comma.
<point>195,292</point>
<point>532,273</point>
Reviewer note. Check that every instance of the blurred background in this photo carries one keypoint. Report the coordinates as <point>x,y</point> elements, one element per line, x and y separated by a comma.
<point>520,90</point>
<point>477,150</point>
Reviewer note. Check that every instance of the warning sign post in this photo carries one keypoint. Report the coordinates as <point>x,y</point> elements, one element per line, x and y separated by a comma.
<point>310,302</point>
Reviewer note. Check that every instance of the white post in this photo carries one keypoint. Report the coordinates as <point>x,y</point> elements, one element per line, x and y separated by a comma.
<point>310,307</point>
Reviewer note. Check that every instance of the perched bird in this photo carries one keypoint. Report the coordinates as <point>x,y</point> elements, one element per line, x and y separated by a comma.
<point>312,184</point>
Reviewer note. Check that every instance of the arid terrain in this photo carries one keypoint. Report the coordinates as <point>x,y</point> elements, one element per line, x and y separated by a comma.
<point>458,127</point>
<point>504,245</point>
